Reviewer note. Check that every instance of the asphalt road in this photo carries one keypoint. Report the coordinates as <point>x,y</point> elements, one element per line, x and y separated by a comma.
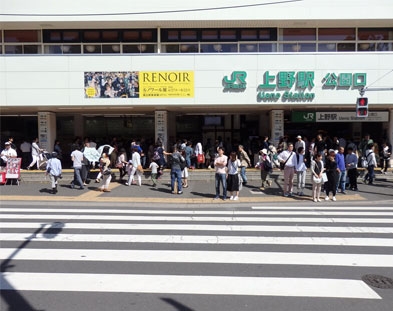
<point>296,255</point>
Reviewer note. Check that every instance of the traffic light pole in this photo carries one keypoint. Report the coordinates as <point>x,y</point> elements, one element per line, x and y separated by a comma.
<point>363,90</point>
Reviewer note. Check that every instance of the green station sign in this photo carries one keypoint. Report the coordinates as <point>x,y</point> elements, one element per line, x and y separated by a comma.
<point>293,86</point>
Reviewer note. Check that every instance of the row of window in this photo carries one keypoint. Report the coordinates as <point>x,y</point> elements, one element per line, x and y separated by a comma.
<point>250,47</point>
<point>197,35</point>
<point>183,41</point>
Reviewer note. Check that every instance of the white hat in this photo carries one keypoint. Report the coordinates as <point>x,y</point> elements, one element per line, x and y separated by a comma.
<point>264,151</point>
<point>298,136</point>
<point>7,143</point>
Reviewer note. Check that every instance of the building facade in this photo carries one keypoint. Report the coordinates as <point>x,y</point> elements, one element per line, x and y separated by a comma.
<point>181,70</point>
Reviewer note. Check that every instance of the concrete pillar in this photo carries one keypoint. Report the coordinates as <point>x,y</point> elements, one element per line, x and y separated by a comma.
<point>47,130</point>
<point>161,126</point>
<point>277,126</point>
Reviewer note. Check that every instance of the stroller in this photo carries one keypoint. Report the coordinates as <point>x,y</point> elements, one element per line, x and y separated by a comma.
<point>44,157</point>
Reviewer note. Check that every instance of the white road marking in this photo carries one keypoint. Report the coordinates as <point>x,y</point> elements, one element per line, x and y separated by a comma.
<point>199,227</point>
<point>325,219</point>
<point>257,211</point>
<point>199,239</point>
<point>178,284</point>
<point>184,256</point>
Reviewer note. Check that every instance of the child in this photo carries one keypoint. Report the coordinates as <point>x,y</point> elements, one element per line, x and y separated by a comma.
<point>154,172</point>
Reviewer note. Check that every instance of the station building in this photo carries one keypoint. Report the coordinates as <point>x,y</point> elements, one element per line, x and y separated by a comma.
<point>195,70</point>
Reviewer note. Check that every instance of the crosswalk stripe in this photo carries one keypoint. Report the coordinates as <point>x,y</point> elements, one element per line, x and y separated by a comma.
<point>198,227</point>
<point>234,213</point>
<point>180,284</point>
<point>185,256</point>
<point>199,239</point>
<point>236,228</point>
<point>59,217</point>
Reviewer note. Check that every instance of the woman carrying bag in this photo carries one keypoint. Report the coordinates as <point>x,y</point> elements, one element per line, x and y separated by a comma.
<point>317,169</point>
<point>106,172</point>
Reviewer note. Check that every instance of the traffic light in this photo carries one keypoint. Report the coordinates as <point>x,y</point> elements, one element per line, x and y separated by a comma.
<point>362,107</point>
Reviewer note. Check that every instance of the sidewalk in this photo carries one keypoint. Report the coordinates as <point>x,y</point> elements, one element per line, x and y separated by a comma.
<point>201,190</point>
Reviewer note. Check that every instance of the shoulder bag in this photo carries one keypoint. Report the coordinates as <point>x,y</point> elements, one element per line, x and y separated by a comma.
<point>282,165</point>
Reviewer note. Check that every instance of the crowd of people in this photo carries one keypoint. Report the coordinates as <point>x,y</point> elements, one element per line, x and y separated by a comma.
<point>331,163</point>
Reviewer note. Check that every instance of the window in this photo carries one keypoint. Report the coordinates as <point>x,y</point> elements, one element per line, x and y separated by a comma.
<point>248,34</point>
<point>336,34</point>
<point>188,35</point>
<point>91,36</point>
<point>228,35</point>
<point>71,36</point>
<point>110,36</point>
<point>130,35</point>
<point>209,35</point>
<point>297,34</point>
<point>375,34</point>
<point>21,36</point>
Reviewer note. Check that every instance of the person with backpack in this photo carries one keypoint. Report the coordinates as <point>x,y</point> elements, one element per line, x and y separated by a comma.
<point>177,161</point>
<point>54,169</point>
<point>372,164</point>
<point>265,165</point>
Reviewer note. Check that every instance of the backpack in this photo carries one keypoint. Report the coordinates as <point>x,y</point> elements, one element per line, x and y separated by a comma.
<point>156,155</point>
<point>364,161</point>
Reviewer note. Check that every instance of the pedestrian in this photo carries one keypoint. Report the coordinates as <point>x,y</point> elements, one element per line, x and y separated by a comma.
<point>287,159</point>
<point>233,176</point>
<point>136,161</point>
<point>332,173</point>
<point>106,172</point>
<point>122,162</point>
<point>342,177</point>
<point>25,147</point>
<point>320,146</point>
<point>386,152</point>
<point>58,150</point>
<point>176,158</point>
<point>184,169</point>
<point>301,170</point>
<point>245,162</point>
<point>372,164</point>
<point>299,143</point>
<point>7,153</point>
<point>220,163</point>
<point>317,169</point>
<point>54,170</point>
<point>265,165</point>
<point>351,161</point>
<point>154,172</point>
<point>199,155</point>
<point>35,154</point>
<point>77,158</point>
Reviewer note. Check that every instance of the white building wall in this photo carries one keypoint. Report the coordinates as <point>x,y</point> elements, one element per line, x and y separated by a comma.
<point>156,11</point>
<point>50,81</point>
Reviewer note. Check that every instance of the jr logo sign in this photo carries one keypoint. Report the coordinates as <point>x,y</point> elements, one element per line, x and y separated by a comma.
<point>237,80</point>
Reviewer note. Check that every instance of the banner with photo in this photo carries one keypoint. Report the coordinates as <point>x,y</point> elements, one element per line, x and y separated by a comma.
<point>139,84</point>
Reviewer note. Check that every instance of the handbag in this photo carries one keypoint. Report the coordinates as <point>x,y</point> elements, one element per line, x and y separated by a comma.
<point>108,171</point>
<point>316,180</point>
<point>324,177</point>
<point>201,158</point>
<point>139,168</point>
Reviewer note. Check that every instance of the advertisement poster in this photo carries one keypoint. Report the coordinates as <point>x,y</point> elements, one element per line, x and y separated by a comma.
<point>139,84</point>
